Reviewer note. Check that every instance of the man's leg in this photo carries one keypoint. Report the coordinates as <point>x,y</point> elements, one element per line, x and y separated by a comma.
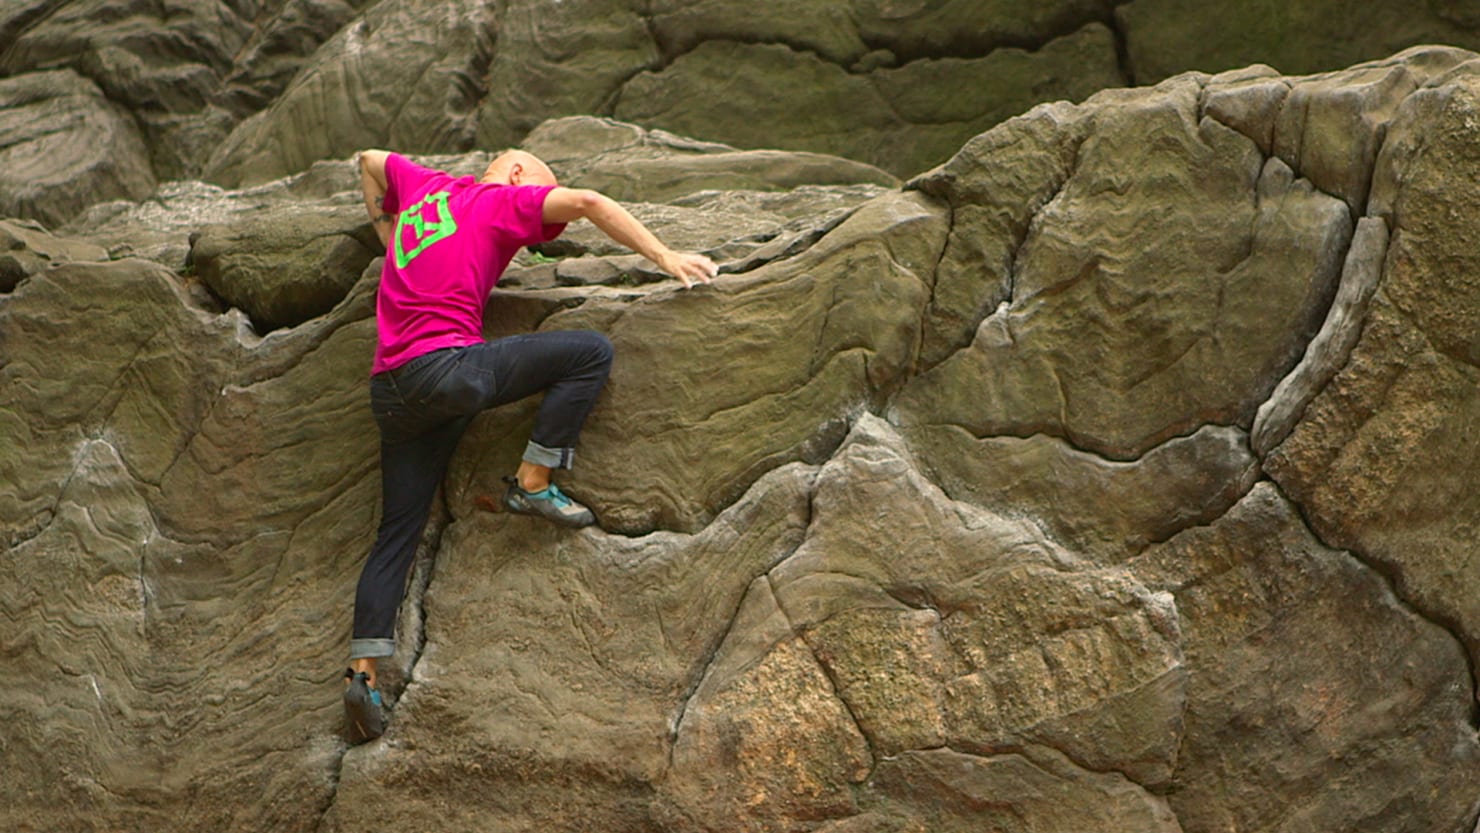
<point>410,472</point>
<point>571,367</point>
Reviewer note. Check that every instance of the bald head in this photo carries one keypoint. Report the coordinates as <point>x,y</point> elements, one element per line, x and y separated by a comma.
<point>518,167</point>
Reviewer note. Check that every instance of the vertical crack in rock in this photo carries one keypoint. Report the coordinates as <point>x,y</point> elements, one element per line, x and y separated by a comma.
<point>471,87</point>
<point>1389,574</point>
<point>923,327</point>
<point>1122,44</point>
<point>944,188</point>
<point>109,399</point>
<point>818,343</point>
<point>711,654</point>
<point>833,681</point>
<point>421,582</point>
<point>413,616</point>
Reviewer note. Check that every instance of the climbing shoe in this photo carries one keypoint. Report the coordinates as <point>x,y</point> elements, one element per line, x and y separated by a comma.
<point>550,504</point>
<point>363,712</point>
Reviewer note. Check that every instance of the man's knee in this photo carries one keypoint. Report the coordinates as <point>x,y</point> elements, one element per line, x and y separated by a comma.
<point>601,348</point>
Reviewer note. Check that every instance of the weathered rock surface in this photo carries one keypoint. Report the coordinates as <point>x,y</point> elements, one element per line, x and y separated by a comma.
<point>249,91</point>
<point>1291,699</point>
<point>902,118</point>
<point>1110,476</point>
<point>1375,458</point>
<point>64,147</point>
<point>288,265</point>
<point>1165,37</point>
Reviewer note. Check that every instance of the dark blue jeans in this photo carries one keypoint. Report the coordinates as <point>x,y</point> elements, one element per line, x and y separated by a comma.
<point>424,406</point>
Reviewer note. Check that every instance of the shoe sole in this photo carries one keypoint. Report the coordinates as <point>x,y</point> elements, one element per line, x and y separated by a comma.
<point>361,716</point>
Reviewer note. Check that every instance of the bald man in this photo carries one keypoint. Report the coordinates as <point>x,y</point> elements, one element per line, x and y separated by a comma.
<point>448,241</point>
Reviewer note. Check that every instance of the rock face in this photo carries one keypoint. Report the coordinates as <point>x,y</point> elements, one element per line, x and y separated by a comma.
<point>65,148</point>
<point>245,92</point>
<point>1112,475</point>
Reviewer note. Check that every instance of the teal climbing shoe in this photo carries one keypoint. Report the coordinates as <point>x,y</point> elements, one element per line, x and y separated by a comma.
<point>363,712</point>
<point>550,504</point>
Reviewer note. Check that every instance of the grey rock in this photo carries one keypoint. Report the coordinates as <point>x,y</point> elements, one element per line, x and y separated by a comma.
<point>1034,495</point>
<point>1087,348</point>
<point>629,163</point>
<point>63,147</point>
<point>1285,676</point>
<point>1167,37</point>
<point>437,115</point>
<point>245,93</point>
<point>1330,350</point>
<point>286,266</point>
<point>26,249</point>
<point>902,119</point>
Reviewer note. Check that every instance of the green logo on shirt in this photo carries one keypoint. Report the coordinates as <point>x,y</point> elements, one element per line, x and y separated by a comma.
<point>426,231</point>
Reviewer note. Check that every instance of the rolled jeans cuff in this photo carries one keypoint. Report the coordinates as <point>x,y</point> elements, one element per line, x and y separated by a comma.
<point>553,458</point>
<point>368,648</point>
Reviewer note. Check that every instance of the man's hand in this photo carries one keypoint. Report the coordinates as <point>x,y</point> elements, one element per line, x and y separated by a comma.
<point>688,267</point>
<point>563,205</point>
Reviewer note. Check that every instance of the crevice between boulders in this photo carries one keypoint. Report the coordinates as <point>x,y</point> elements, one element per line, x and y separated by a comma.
<point>413,614</point>
<point>414,608</point>
<point>1122,45</point>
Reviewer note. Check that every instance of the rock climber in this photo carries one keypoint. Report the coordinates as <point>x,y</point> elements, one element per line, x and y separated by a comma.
<point>448,240</point>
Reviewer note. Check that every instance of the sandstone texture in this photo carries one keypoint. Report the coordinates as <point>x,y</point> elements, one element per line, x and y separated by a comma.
<point>1113,474</point>
<point>245,92</point>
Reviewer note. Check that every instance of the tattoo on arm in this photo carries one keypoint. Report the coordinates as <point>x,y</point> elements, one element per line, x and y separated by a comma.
<point>385,216</point>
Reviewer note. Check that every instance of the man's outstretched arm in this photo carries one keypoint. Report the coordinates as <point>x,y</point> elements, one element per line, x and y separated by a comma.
<point>564,205</point>
<point>373,184</point>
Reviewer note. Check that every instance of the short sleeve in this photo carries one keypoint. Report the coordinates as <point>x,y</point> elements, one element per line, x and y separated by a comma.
<point>401,177</point>
<point>523,222</point>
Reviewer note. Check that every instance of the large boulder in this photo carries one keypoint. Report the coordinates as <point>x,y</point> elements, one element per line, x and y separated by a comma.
<point>248,92</point>
<point>65,147</point>
<point>285,266</point>
<point>903,118</point>
<point>186,72</point>
<point>1165,37</point>
<point>1105,339</point>
<point>1108,476</point>
<point>893,86</point>
<point>147,544</point>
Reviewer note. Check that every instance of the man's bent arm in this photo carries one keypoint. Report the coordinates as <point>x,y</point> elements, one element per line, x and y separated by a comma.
<point>373,184</point>
<point>564,205</point>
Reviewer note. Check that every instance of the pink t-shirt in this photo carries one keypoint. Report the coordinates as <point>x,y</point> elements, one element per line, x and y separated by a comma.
<point>452,242</point>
